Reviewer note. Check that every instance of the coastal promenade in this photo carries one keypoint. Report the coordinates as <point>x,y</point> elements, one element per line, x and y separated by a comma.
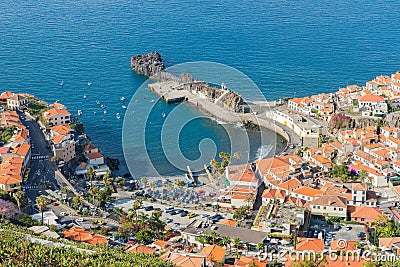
<point>171,92</point>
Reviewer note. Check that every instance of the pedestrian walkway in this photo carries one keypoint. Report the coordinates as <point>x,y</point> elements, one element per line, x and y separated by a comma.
<point>40,157</point>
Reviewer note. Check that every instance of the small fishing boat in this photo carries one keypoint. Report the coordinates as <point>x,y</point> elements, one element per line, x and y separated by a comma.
<point>103,107</point>
<point>97,102</point>
<point>89,83</point>
<point>62,83</point>
<point>164,115</point>
<point>144,97</point>
<point>105,112</point>
<point>94,112</point>
<point>122,98</point>
<point>152,101</point>
<point>79,112</point>
<point>118,116</point>
<point>104,120</point>
<point>124,107</point>
<point>84,96</point>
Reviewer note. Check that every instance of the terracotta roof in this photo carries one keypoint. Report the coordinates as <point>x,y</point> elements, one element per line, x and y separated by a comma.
<point>371,98</point>
<point>343,246</point>
<point>306,191</point>
<point>137,248</point>
<point>61,129</point>
<point>213,253</point>
<point>4,149</point>
<point>345,261</point>
<point>359,186</point>
<point>58,138</point>
<point>270,193</point>
<point>52,112</point>
<point>95,155</point>
<point>290,184</point>
<point>229,222</point>
<point>184,259</point>
<point>23,150</point>
<point>246,261</point>
<point>6,95</point>
<point>388,241</point>
<point>82,235</point>
<point>296,201</point>
<point>89,147</point>
<point>160,243</point>
<point>365,212</point>
<point>333,201</point>
<point>310,244</point>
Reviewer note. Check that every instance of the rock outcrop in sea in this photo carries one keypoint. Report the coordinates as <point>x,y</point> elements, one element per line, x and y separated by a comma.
<point>148,64</point>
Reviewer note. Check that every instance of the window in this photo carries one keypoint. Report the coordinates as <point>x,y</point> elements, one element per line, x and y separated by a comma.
<point>319,207</point>
<point>334,208</point>
<point>340,209</point>
<point>363,192</point>
<point>324,208</point>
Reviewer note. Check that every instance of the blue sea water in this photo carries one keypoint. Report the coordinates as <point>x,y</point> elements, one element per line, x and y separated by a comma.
<point>288,48</point>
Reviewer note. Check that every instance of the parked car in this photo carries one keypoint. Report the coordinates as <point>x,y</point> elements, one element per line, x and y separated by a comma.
<point>79,220</point>
<point>348,228</point>
<point>148,208</point>
<point>184,213</point>
<point>63,213</point>
<point>54,203</point>
<point>168,220</point>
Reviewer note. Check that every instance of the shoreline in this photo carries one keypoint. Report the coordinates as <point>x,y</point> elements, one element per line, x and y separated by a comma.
<point>165,91</point>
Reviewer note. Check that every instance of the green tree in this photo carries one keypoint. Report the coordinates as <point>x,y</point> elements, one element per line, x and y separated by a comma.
<point>133,211</point>
<point>90,174</point>
<point>93,191</point>
<point>237,156</point>
<point>261,246</point>
<point>77,201</point>
<point>41,202</point>
<point>214,236</point>
<point>237,242</point>
<point>144,181</point>
<point>143,235</point>
<point>19,196</point>
<point>202,239</point>
<point>226,241</point>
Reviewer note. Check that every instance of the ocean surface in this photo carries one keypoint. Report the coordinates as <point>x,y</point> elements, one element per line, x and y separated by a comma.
<point>288,48</point>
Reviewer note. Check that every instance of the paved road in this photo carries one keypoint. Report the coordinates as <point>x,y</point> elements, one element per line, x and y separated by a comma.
<point>42,169</point>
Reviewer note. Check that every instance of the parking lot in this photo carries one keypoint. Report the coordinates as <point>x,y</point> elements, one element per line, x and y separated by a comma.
<point>328,231</point>
<point>178,221</point>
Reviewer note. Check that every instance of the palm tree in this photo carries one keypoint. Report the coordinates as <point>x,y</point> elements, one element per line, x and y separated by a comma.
<point>144,181</point>
<point>133,211</point>
<point>94,190</point>
<point>226,241</point>
<point>90,174</point>
<point>153,185</point>
<point>214,236</point>
<point>236,254</point>
<point>261,246</point>
<point>237,156</point>
<point>237,242</point>
<point>18,196</point>
<point>77,201</point>
<point>41,202</point>
<point>202,239</point>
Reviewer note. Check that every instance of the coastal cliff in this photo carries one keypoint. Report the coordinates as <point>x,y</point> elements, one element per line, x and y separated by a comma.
<point>148,64</point>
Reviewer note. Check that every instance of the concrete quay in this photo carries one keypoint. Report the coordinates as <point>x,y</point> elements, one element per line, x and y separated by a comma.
<point>171,92</point>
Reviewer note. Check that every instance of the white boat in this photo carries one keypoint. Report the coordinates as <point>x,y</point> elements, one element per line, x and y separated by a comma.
<point>97,102</point>
<point>62,83</point>
<point>105,112</point>
<point>94,112</point>
<point>89,83</point>
<point>84,96</point>
<point>124,107</point>
<point>79,112</point>
<point>118,116</point>
<point>152,101</point>
<point>164,115</point>
<point>104,120</point>
<point>103,107</point>
<point>122,98</point>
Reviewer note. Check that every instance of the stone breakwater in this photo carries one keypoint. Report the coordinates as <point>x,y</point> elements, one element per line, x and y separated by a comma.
<point>220,103</point>
<point>148,64</point>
